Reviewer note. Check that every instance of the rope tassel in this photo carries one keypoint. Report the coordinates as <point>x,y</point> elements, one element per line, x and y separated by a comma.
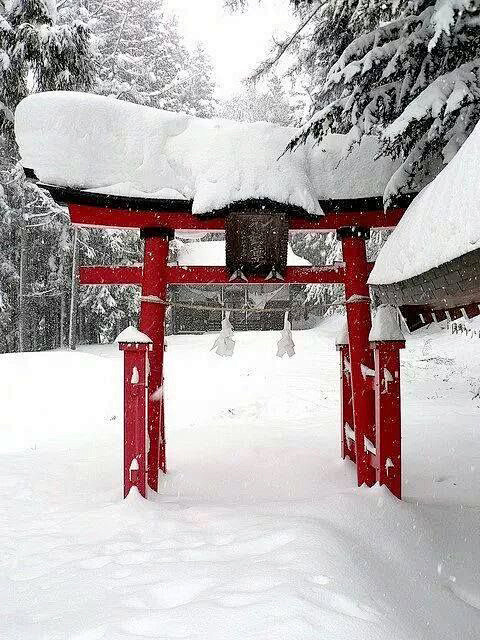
<point>286,345</point>
<point>225,344</point>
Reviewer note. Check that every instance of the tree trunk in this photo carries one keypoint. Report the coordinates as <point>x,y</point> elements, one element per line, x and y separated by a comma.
<point>72,331</point>
<point>61,285</point>
<point>21,290</point>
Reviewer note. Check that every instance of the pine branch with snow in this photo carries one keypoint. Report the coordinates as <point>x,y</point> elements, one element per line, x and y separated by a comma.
<point>38,54</point>
<point>414,82</point>
<point>142,58</point>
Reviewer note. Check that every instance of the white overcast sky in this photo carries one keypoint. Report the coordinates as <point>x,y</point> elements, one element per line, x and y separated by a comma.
<point>236,42</point>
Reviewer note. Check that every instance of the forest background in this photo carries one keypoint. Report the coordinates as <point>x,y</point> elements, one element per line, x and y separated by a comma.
<point>407,72</point>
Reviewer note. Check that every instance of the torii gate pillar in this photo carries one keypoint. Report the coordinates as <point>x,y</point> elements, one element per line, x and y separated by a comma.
<point>152,322</point>
<point>362,365</point>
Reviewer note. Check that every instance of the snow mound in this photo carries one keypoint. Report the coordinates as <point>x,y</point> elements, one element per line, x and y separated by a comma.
<point>441,224</point>
<point>99,143</point>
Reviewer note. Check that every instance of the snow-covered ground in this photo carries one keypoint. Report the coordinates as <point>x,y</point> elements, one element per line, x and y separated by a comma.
<point>258,531</point>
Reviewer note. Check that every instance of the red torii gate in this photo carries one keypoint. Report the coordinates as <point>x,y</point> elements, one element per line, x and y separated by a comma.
<point>370,428</point>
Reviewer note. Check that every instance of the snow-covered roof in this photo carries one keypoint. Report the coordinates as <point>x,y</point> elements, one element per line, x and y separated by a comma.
<point>441,224</point>
<point>212,253</point>
<point>99,143</point>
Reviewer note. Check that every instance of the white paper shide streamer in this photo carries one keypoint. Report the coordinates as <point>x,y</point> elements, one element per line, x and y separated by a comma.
<point>225,344</point>
<point>286,345</point>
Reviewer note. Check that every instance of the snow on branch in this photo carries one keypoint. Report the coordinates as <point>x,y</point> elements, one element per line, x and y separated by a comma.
<point>444,15</point>
<point>414,82</point>
<point>364,44</point>
<point>448,93</point>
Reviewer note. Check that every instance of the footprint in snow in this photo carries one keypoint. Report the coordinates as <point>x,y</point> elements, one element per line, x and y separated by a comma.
<point>133,557</point>
<point>254,547</point>
<point>320,580</point>
<point>442,478</point>
<point>95,563</point>
<point>178,592</point>
<point>344,605</point>
<point>469,597</point>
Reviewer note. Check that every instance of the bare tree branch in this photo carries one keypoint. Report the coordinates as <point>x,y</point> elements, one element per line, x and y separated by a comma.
<point>282,47</point>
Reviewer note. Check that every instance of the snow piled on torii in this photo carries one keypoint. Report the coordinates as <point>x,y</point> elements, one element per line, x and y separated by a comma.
<point>91,142</point>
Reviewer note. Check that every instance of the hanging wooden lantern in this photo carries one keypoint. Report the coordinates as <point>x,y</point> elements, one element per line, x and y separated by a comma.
<point>256,243</point>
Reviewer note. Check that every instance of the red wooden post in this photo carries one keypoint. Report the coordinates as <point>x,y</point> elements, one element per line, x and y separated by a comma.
<point>361,358</point>
<point>388,415</point>
<point>386,341</point>
<point>152,322</point>
<point>347,433</point>
<point>135,347</point>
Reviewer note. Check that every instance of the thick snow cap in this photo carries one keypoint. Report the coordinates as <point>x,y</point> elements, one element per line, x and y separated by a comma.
<point>342,335</point>
<point>441,224</point>
<point>97,143</point>
<point>386,325</point>
<point>132,335</point>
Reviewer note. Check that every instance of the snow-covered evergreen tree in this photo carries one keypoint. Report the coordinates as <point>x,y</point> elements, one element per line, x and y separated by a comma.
<point>414,81</point>
<point>407,71</point>
<point>105,311</point>
<point>142,57</point>
<point>35,54</point>
<point>255,104</point>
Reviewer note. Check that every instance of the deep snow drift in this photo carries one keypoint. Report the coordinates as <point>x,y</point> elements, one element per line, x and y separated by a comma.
<point>258,531</point>
<point>446,213</point>
<point>98,143</point>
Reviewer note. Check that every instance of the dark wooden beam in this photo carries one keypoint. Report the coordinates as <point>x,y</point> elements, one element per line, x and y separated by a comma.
<point>67,196</point>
